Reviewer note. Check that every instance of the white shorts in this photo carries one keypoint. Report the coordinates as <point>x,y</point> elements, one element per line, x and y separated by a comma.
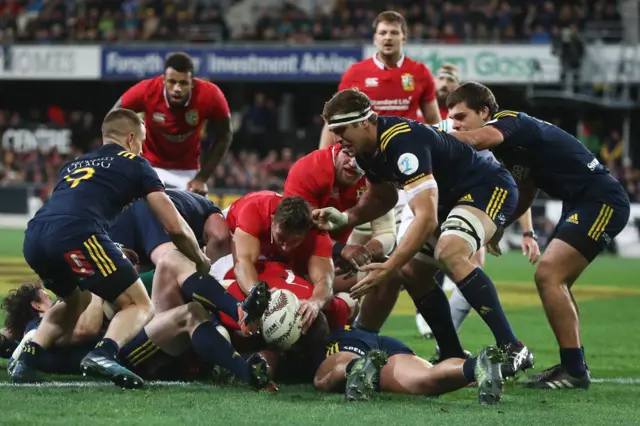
<point>175,178</point>
<point>365,229</point>
<point>426,253</point>
<point>221,266</point>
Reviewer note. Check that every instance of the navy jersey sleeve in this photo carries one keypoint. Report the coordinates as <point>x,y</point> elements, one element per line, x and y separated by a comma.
<point>149,180</point>
<point>507,122</point>
<point>409,151</point>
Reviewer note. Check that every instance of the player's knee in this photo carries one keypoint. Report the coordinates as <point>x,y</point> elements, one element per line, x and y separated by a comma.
<point>452,252</point>
<point>546,275</point>
<point>194,315</point>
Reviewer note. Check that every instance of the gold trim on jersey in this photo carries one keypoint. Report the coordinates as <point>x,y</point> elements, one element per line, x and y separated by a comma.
<point>496,202</point>
<point>601,222</point>
<point>392,131</point>
<point>505,113</point>
<point>127,154</point>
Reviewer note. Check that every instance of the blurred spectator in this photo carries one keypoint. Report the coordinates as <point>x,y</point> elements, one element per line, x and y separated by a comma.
<point>611,152</point>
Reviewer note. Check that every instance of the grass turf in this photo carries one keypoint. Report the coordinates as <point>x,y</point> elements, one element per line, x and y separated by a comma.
<point>608,295</point>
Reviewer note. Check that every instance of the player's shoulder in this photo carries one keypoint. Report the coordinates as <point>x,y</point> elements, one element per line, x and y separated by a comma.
<point>207,86</point>
<point>395,131</point>
<point>507,114</point>
<point>365,65</point>
<point>416,66</point>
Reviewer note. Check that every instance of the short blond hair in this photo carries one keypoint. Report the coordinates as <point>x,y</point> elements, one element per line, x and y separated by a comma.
<point>121,122</point>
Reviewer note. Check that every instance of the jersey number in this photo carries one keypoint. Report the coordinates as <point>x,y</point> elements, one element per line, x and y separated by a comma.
<point>75,181</point>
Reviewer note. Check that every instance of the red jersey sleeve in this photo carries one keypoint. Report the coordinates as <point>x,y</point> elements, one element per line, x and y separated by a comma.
<point>429,93</point>
<point>322,245</point>
<point>133,98</point>
<point>218,105</point>
<point>348,79</point>
<point>307,183</point>
<point>250,220</point>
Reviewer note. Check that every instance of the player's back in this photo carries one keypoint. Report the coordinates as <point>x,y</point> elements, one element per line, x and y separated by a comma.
<point>95,187</point>
<point>260,204</point>
<point>194,208</point>
<point>559,164</point>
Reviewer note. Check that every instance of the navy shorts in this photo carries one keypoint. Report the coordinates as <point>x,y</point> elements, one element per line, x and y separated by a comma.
<point>144,357</point>
<point>138,229</point>
<point>67,256</point>
<point>361,342</point>
<point>496,195</point>
<point>590,226</point>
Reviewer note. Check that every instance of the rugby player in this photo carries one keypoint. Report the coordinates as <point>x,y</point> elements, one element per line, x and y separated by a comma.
<point>155,353</point>
<point>67,245</point>
<point>477,195</point>
<point>360,362</point>
<point>176,106</point>
<point>595,209</point>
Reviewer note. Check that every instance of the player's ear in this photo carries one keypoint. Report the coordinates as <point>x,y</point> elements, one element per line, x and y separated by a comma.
<point>36,307</point>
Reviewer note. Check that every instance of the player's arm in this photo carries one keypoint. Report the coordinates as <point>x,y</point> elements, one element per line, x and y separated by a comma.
<point>526,221</point>
<point>220,116</point>
<point>133,98</point>
<point>326,137</point>
<point>246,250</point>
<point>429,102</point>
<point>321,274</point>
<point>383,235</point>
<point>493,133</point>
<point>377,200</point>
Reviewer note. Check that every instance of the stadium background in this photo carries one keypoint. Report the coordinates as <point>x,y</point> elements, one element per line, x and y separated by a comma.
<point>63,64</point>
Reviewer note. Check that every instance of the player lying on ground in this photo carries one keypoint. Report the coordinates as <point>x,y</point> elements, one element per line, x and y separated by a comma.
<point>176,106</point>
<point>67,245</point>
<point>595,209</point>
<point>476,195</point>
<point>153,354</point>
<point>361,362</point>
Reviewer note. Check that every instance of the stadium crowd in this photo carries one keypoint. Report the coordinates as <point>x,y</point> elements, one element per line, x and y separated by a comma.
<point>535,21</point>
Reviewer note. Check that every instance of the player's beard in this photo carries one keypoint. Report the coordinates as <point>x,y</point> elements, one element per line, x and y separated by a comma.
<point>442,96</point>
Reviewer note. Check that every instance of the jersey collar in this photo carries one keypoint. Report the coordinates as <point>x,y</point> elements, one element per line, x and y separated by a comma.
<point>166,100</point>
<point>381,64</point>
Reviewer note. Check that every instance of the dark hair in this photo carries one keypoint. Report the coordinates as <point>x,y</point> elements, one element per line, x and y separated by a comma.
<point>477,96</point>
<point>180,62</point>
<point>293,215</point>
<point>393,17</point>
<point>121,121</point>
<point>346,101</point>
<point>17,307</point>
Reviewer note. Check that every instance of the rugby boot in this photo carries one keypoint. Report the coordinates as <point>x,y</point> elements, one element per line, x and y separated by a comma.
<point>20,372</point>
<point>259,373</point>
<point>489,375</point>
<point>97,365</point>
<point>438,359</point>
<point>519,358</point>
<point>557,377</point>
<point>251,309</point>
<point>361,381</point>
<point>423,327</point>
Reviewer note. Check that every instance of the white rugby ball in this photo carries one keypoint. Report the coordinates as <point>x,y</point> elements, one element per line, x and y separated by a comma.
<point>281,324</point>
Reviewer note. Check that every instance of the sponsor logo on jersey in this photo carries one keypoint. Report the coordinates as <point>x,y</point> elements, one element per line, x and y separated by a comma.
<point>573,218</point>
<point>408,164</point>
<point>466,199</point>
<point>593,164</point>
<point>177,138</point>
<point>371,82</point>
<point>408,83</point>
<point>158,117</point>
<point>191,117</point>
<point>360,192</point>
<point>391,104</point>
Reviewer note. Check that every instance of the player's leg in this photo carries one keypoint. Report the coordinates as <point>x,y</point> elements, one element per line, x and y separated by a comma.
<point>466,229</point>
<point>217,237</point>
<point>460,308</point>
<point>331,376</point>
<point>377,306</point>
<point>581,235</point>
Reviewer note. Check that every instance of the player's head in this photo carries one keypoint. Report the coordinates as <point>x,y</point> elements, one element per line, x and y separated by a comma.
<point>23,304</point>
<point>471,105</point>
<point>178,78</point>
<point>346,169</point>
<point>126,128</point>
<point>389,33</point>
<point>447,80</point>
<point>349,116</point>
<point>290,223</point>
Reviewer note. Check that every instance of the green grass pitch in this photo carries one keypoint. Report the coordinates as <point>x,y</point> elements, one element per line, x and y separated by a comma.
<point>609,294</point>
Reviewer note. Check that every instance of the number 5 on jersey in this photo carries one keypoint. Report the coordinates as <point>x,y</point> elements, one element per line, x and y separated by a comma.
<point>80,175</point>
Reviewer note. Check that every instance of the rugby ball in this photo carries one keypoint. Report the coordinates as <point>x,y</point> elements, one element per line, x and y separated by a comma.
<point>281,324</point>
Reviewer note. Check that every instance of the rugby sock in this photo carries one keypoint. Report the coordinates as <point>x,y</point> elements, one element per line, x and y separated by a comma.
<point>481,294</point>
<point>469,369</point>
<point>214,349</point>
<point>108,348</point>
<point>30,353</point>
<point>210,294</point>
<point>572,360</point>
<point>460,308</point>
<point>349,366</point>
<point>435,310</point>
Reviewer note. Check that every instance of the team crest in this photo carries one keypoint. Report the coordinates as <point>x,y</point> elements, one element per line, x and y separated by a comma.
<point>408,83</point>
<point>191,117</point>
<point>361,191</point>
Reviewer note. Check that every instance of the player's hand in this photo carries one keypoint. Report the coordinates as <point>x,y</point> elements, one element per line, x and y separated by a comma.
<point>131,255</point>
<point>204,266</point>
<point>357,255</point>
<point>493,246</point>
<point>531,249</point>
<point>308,311</point>
<point>198,186</point>
<point>378,273</point>
<point>329,219</point>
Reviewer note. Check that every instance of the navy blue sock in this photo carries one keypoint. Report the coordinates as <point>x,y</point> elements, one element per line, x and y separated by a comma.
<point>349,366</point>
<point>214,349</point>
<point>108,348</point>
<point>436,311</point>
<point>481,294</point>
<point>209,293</point>
<point>469,369</point>
<point>572,360</point>
<point>31,351</point>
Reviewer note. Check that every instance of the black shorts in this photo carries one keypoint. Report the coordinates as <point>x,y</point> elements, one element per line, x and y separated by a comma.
<point>67,255</point>
<point>144,357</point>
<point>496,195</point>
<point>138,229</point>
<point>590,226</point>
<point>361,342</point>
